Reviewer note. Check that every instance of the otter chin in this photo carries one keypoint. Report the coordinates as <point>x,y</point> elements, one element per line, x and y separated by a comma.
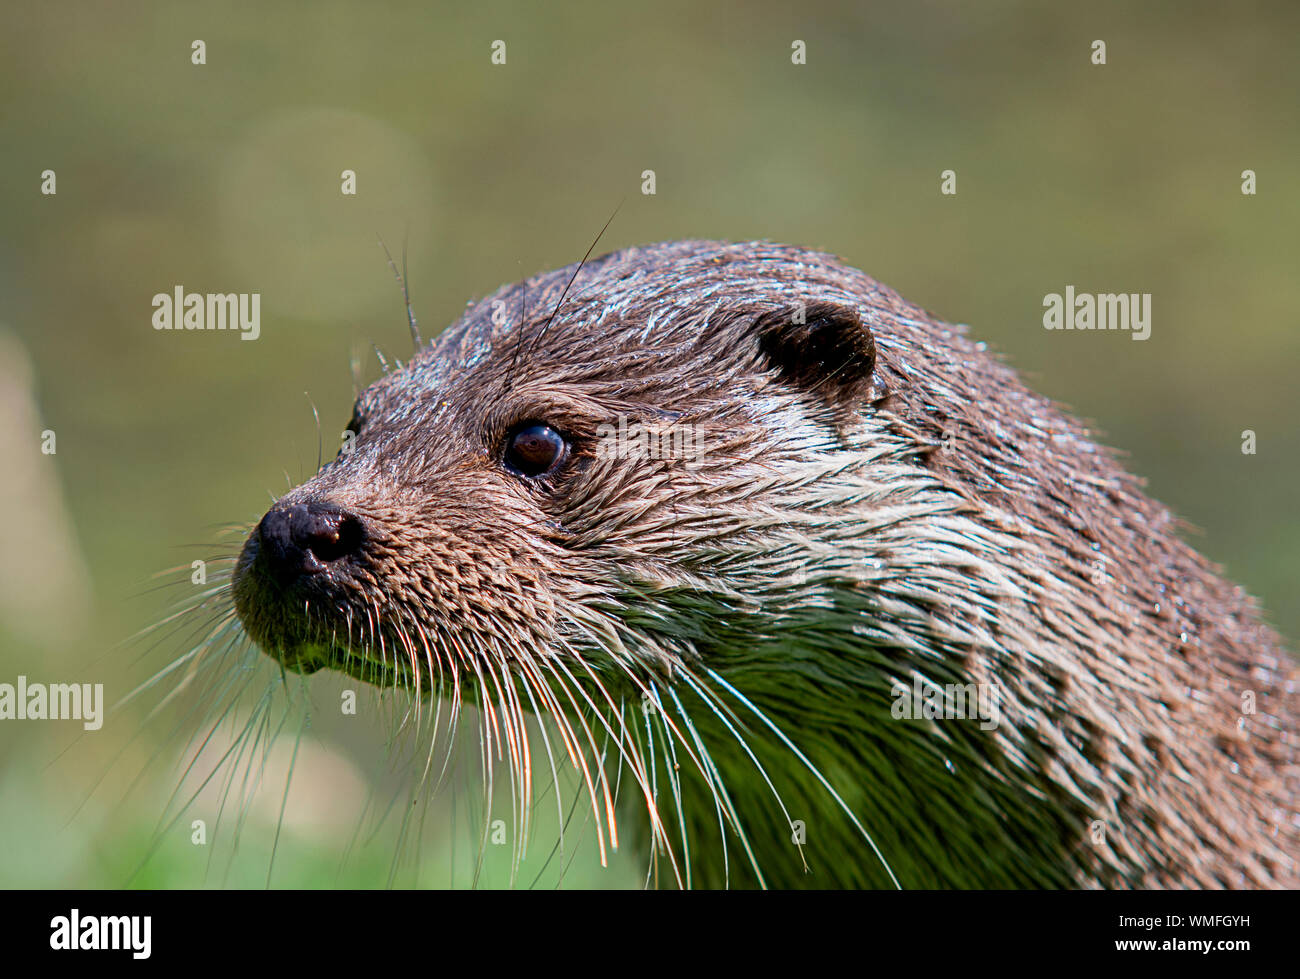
<point>805,583</point>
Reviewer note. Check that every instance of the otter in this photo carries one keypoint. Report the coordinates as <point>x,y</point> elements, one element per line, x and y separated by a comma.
<point>722,514</point>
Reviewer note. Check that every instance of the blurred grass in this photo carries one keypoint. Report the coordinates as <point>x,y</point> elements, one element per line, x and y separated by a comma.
<point>225,178</point>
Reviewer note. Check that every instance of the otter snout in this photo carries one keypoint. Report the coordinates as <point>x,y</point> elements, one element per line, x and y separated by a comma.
<point>306,537</point>
<point>298,559</point>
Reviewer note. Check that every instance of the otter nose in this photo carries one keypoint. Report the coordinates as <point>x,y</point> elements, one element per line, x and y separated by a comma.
<point>305,537</point>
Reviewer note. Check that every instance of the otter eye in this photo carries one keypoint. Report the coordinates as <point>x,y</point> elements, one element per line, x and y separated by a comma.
<point>535,450</point>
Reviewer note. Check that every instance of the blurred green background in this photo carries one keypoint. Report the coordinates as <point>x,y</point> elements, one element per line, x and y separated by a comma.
<point>225,178</point>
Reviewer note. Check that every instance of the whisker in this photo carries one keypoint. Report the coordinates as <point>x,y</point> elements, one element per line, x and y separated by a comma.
<point>811,767</point>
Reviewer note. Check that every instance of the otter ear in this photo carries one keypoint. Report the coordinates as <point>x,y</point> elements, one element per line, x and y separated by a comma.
<point>823,348</point>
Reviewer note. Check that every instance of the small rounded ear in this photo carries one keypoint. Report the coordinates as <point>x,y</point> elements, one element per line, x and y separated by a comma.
<point>823,348</point>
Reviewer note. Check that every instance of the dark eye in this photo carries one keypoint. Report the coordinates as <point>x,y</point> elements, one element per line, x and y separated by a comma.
<point>535,450</point>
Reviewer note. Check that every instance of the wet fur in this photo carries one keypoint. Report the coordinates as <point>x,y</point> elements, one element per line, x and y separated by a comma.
<point>724,637</point>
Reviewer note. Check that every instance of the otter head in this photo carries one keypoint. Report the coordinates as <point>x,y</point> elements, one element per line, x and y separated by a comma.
<point>761,494</point>
<point>570,490</point>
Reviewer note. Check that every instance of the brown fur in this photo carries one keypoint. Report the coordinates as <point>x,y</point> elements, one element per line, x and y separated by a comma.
<point>1125,654</point>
